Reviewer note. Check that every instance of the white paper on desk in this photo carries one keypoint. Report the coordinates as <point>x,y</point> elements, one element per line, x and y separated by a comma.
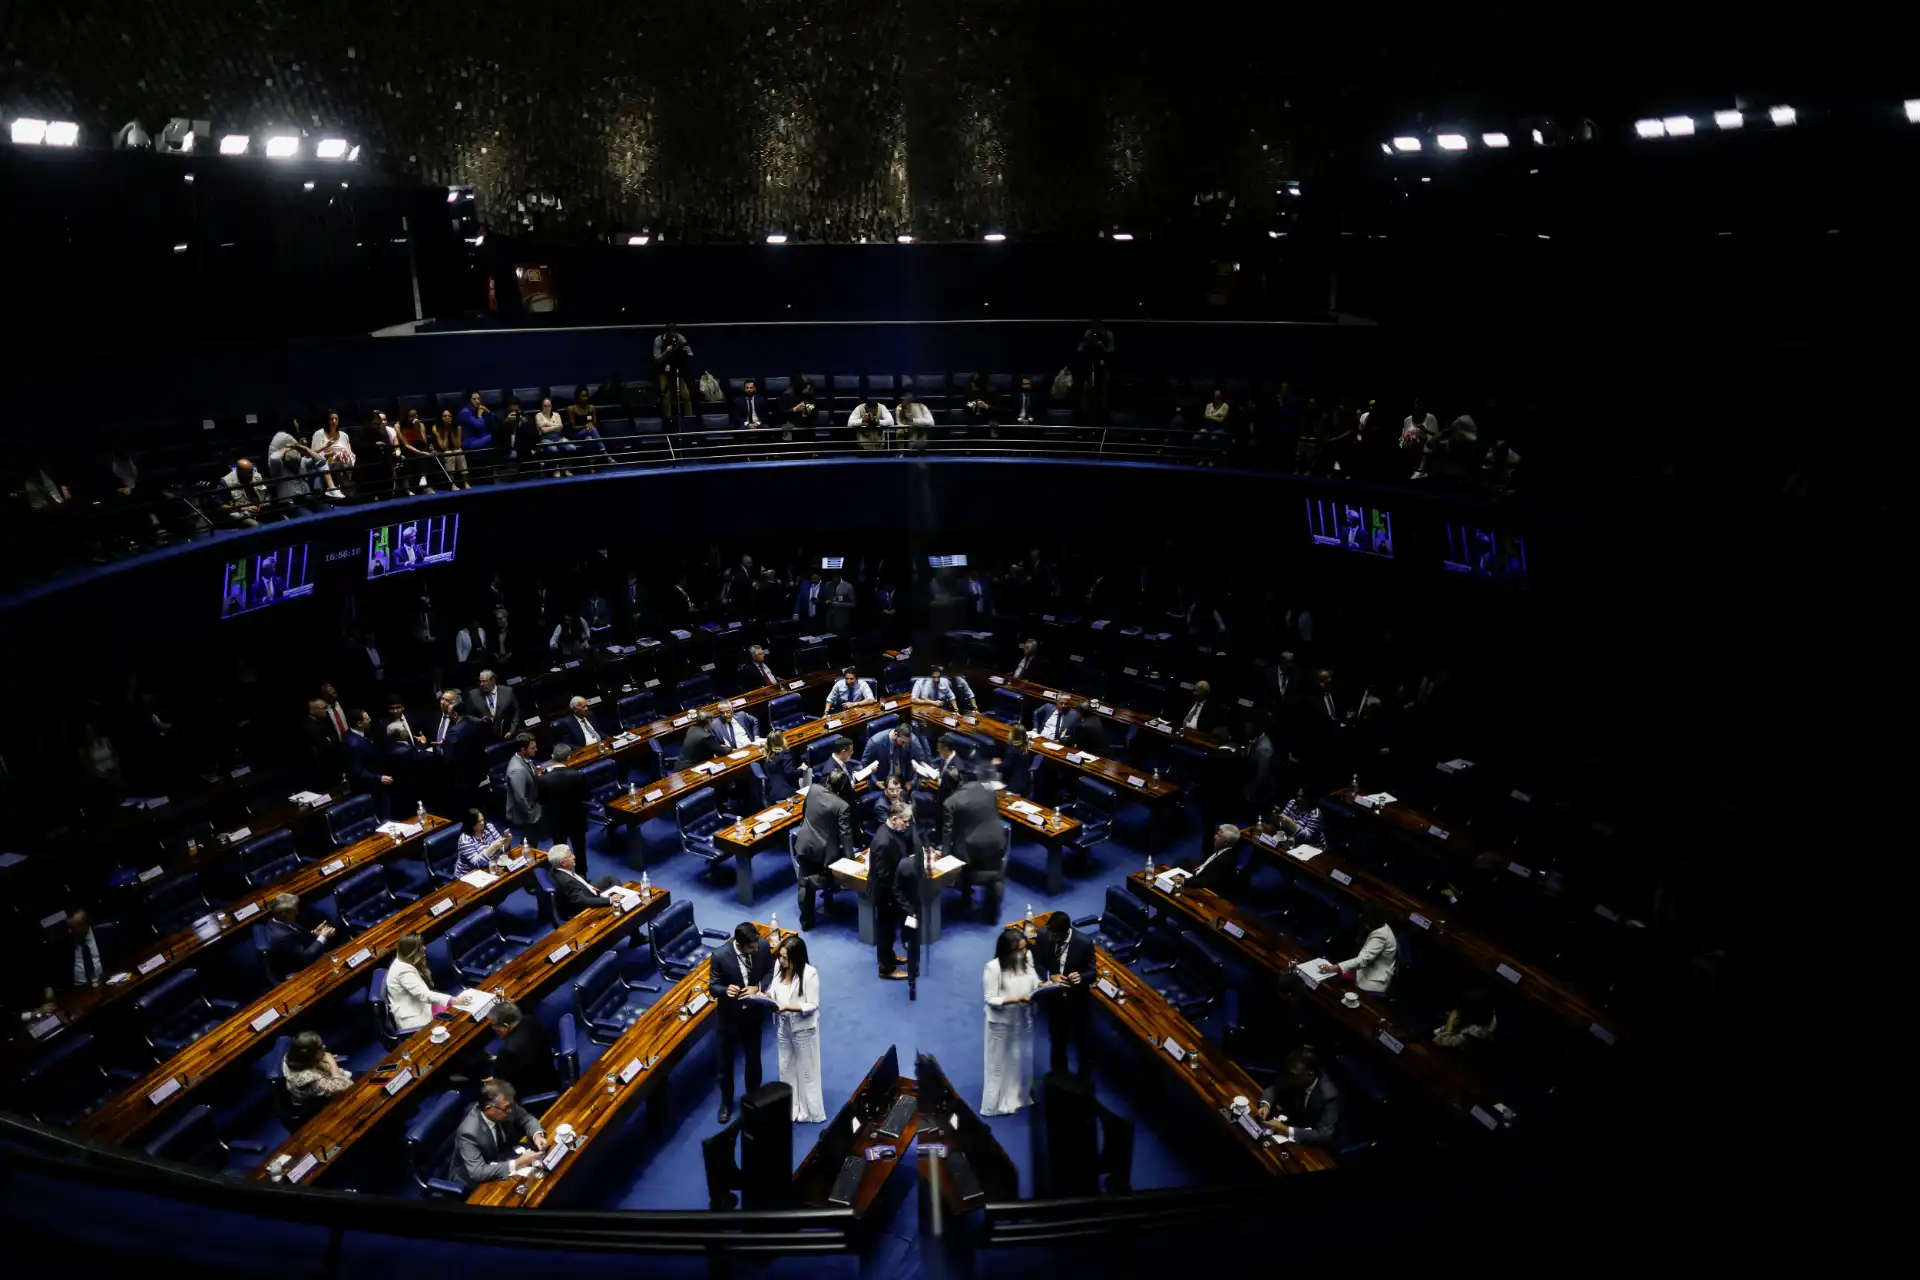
<point>1378,800</point>
<point>653,795</point>
<point>996,786</point>
<point>741,754</point>
<point>152,873</point>
<point>400,830</point>
<point>678,634</point>
<point>1304,852</point>
<point>946,862</point>
<point>1025,806</point>
<point>479,879</point>
<point>848,866</point>
<point>925,770</point>
<point>1050,746</point>
<point>1316,972</point>
<point>1168,881</point>
<point>118,978</point>
<point>47,922</point>
<point>1454,766</point>
<point>476,1001</point>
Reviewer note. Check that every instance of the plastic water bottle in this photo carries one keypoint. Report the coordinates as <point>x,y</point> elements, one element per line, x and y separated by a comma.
<point>1356,786</point>
<point>1149,872</point>
<point>633,789</point>
<point>421,811</point>
<point>646,886</point>
<point>773,923</point>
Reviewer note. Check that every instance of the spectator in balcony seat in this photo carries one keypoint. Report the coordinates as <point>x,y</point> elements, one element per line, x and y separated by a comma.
<point>978,409</point>
<point>478,429</point>
<point>583,424</point>
<point>449,444</point>
<point>1417,434</point>
<point>415,458</point>
<point>518,434</point>
<point>1216,417</point>
<point>552,441</point>
<point>869,420</point>
<point>243,499</point>
<point>916,417</point>
<point>1096,355</point>
<point>290,463</point>
<point>333,447</point>
<point>672,356</point>
<point>750,409</point>
<point>799,408</point>
<point>1025,404</point>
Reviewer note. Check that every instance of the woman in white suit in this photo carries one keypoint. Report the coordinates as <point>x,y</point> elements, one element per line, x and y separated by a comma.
<point>1009,982</point>
<point>796,990</point>
<point>411,998</point>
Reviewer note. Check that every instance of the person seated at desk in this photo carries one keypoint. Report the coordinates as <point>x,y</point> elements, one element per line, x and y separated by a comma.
<point>1016,762</point>
<point>1201,715</point>
<point>577,729</point>
<point>849,691</point>
<point>481,846</point>
<point>1089,732</point>
<point>78,960</point>
<point>572,892</point>
<point>935,687</point>
<point>483,1147</point>
<point>411,999</point>
<point>1220,872</point>
<point>1056,721</point>
<point>700,745</point>
<point>311,1073</point>
<point>523,1055</point>
<point>1301,819</point>
<point>290,948</point>
<point>1304,1103</point>
<point>1470,1024</point>
<point>896,752</point>
<point>1025,668</point>
<point>780,768</point>
<point>733,730</point>
<point>1372,968</point>
<point>755,672</point>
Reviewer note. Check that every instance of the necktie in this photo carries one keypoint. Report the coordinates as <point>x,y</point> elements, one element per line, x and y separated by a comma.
<point>441,736</point>
<point>339,721</point>
<point>587,731</point>
<point>765,674</point>
<point>491,702</point>
<point>723,731</point>
<point>1329,706</point>
<point>86,960</point>
<point>1193,717</point>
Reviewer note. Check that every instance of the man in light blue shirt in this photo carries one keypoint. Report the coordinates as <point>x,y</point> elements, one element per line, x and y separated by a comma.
<point>935,687</point>
<point>847,692</point>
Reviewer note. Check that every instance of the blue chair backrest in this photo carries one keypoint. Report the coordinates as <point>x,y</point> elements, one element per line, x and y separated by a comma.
<point>566,1050</point>
<point>696,808</point>
<point>350,819</point>
<point>442,850</point>
<point>1098,794</point>
<point>359,887</point>
<point>602,778</point>
<point>470,931</point>
<point>169,996</point>
<point>694,690</point>
<point>377,1001</point>
<point>70,1063</point>
<point>879,725</point>
<point>429,1137</point>
<point>636,709</point>
<point>1199,962</point>
<point>669,925</point>
<point>268,858</point>
<point>785,711</point>
<point>592,986</point>
<point>543,897</point>
<point>171,897</point>
<point>191,1138</point>
<point>817,752</point>
<point>896,677</point>
<point>1127,911</point>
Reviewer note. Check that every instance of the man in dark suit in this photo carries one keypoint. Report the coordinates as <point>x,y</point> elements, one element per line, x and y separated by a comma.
<point>598,615</point>
<point>1026,665</point>
<point>633,603</point>
<point>751,409</point>
<point>1307,1096</point>
<point>577,728</point>
<point>523,1056</point>
<point>733,730</point>
<point>326,752</point>
<point>839,760</point>
<point>572,894</point>
<point>699,746</point>
<point>1219,872</point>
<point>494,706</point>
<point>1202,713</point>
<point>563,795</point>
<point>895,752</point>
<point>464,752</point>
<point>406,763</point>
<point>970,830</point>
<point>1064,953</point>
<point>365,768</point>
<point>825,835</point>
<point>1056,720</point>
<point>288,946</point>
<point>756,672</point>
<point>954,768</point>
<point>483,1145</point>
<point>741,968</point>
<point>912,891</point>
<point>896,839</point>
<point>1089,731</point>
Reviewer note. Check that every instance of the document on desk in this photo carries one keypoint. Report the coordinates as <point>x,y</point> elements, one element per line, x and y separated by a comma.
<point>476,1002</point>
<point>925,770</point>
<point>946,862</point>
<point>399,830</point>
<point>1025,806</point>
<point>479,879</point>
<point>847,866</point>
<point>1304,852</point>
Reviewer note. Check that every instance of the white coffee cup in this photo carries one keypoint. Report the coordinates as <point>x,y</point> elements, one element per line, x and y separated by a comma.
<point>1351,999</point>
<point>440,1035</point>
<point>564,1135</point>
<point>1240,1107</point>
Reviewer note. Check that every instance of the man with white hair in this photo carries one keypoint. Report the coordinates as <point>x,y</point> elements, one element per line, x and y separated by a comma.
<point>572,893</point>
<point>755,673</point>
<point>577,728</point>
<point>1217,872</point>
<point>495,706</point>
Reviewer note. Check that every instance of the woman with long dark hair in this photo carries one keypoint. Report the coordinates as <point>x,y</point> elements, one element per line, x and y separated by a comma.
<point>796,990</point>
<point>1009,981</point>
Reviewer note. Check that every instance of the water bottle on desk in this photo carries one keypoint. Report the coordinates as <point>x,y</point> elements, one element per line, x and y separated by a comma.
<point>773,925</point>
<point>421,811</point>
<point>1149,871</point>
<point>646,886</point>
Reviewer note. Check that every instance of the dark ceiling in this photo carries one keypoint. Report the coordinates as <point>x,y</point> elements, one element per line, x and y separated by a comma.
<point>834,119</point>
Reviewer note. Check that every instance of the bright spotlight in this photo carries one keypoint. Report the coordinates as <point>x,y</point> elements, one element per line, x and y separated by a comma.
<point>1406,144</point>
<point>181,247</point>
<point>1539,139</point>
<point>306,186</point>
<point>903,239</point>
<point>62,133</point>
<point>1122,235</point>
<point>29,133</point>
<point>1385,150</point>
<point>353,153</point>
<point>1649,128</point>
<point>283,146</point>
<point>1728,119</point>
<point>1781,116</point>
<point>1678,126</point>
<point>331,148</point>
<point>1494,139</point>
<point>1913,110</point>
<point>776,238</point>
<point>994,237</point>
<point>1452,141</point>
<point>234,144</point>
<point>634,242</point>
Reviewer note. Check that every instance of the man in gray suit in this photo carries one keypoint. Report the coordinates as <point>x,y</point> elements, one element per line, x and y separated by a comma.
<point>483,1148</point>
<point>825,834</point>
<point>971,832</point>
<point>524,812</point>
<point>494,705</point>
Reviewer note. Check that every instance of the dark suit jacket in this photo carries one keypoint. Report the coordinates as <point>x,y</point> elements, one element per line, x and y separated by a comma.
<point>1069,721</point>
<point>290,948</point>
<point>826,831</point>
<point>889,846</point>
<point>1315,1117</point>
<point>465,752</point>
<point>567,729</point>
<point>750,678</point>
<point>698,746</point>
<point>1079,959</point>
<point>725,972</point>
<point>881,748</point>
<point>406,764</point>
<point>764,407</point>
<point>506,714</point>
<point>1016,770</point>
<point>1090,734</point>
<point>971,830</point>
<point>1219,875</point>
<point>563,794</point>
<point>782,772</point>
<point>326,754</point>
<point>477,1157</point>
<point>524,1060</point>
<point>571,896</point>
<point>364,765</point>
<point>910,885</point>
<point>1213,714</point>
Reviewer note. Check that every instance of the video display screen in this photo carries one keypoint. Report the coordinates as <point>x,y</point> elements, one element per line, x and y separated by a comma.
<point>1332,522</point>
<point>254,582</point>
<point>947,562</point>
<point>413,544</point>
<point>833,562</point>
<point>1488,554</point>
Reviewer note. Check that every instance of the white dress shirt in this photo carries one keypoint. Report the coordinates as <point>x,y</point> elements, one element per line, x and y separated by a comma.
<point>883,416</point>
<point>916,415</point>
<point>1193,715</point>
<point>87,948</point>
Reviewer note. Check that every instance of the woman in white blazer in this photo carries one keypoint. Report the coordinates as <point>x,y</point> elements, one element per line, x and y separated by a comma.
<point>796,990</point>
<point>1009,982</point>
<point>411,999</point>
<point>1372,969</point>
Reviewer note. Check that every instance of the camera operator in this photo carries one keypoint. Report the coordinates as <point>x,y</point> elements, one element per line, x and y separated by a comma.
<point>671,356</point>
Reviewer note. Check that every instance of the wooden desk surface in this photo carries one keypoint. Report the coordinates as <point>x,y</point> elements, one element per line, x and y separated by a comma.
<point>616,746</point>
<point>848,878</point>
<point>350,1116</point>
<point>596,1105</point>
<point>1118,714</point>
<point>999,1177</point>
<point>813,1180</point>
<point>1111,771</point>
<point>124,1116</point>
<point>1459,846</point>
<point>284,816</point>
<point>1207,1071</point>
<point>1460,940</point>
<point>1449,1077</point>
<point>176,950</point>
<point>782,815</point>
